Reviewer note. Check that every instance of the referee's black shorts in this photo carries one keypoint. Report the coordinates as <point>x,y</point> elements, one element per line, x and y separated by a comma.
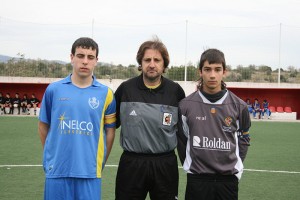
<point>139,174</point>
<point>211,187</point>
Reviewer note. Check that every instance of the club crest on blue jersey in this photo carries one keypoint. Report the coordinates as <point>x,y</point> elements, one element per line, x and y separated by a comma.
<point>93,102</point>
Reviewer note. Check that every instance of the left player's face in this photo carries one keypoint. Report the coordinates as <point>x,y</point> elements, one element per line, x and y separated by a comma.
<point>152,66</point>
<point>84,62</point>
<point>212,75</point>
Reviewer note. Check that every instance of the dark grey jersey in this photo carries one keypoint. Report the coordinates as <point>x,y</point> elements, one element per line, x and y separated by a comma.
<point>216,133</point>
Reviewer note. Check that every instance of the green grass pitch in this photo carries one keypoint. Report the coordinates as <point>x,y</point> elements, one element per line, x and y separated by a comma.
<point>272,167</point>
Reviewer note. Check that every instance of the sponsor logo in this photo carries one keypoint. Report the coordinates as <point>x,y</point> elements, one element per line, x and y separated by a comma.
<point>133,113</point>
<point>213,111</point>
<point>210,144</point>
<point>93,102</point>
<point>72,126</point>
<point>167,119</point>
<point>226,129</point>
<point>64,99</point>
<point>201,118</point>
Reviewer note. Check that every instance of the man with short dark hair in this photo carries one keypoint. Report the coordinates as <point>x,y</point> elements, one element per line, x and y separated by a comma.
<point>7,103</point>
<point>1,103</point>
<point>33,103</point>
<point>77,128</point>
<point>16,102</point>
<point>24,103</point>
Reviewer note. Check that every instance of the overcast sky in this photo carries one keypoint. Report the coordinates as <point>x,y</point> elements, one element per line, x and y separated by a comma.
<point>248,32</point>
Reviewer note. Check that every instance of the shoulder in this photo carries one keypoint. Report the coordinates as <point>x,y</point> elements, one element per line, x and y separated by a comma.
<point>171,83</point>
<point>57,83</point>
<point>130,83</point>
<point>173,86</point>
<point>236,99</point>
<point>54,86</point>
<point>194,97</point>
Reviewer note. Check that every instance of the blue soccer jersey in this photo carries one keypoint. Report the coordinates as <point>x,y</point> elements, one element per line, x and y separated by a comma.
<point>76,142</point>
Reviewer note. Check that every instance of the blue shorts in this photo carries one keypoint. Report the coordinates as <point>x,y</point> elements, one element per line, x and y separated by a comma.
<point>72,188</point>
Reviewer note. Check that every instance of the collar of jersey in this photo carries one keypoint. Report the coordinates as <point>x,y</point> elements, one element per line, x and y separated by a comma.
<point>68,80</point>
<point>142,85</point>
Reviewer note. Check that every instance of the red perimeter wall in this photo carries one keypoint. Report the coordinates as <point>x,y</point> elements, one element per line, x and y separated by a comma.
<point>276,97</point>
<point>23,88</point>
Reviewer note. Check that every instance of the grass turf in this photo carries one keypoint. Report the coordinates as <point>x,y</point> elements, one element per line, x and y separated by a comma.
<point>274,146</point>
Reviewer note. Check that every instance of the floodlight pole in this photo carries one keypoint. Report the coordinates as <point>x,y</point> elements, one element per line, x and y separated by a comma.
<point>93,29</point>
<point>185,67</point>
<point>279,54</point>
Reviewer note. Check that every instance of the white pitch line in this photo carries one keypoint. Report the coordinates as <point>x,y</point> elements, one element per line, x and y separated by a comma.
<point>250,170</point>
<point>20,165</point>
<point>272,171</point>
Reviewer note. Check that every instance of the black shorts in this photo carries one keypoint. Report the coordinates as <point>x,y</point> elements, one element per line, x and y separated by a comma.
<point>139,174</point>
<point>211,187</point>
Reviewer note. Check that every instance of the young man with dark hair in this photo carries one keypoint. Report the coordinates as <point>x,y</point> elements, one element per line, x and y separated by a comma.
<point>214,134</point>
<point>256,109</point>
<point>16,102</point>
<point>24,103</point>
<point>147,110</point>
<point>1,103</point>
<point>77,128</point>
<point>7,103</point>
<point>33,103</point>
<point>265,109</point>
<point>249,105</point>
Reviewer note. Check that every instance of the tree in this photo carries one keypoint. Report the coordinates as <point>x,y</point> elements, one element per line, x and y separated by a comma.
<point>293,71</point>
<point>245,72</point>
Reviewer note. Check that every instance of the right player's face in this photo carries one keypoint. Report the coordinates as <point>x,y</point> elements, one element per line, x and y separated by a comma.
<point>84,62</point>
<point>212,75</point>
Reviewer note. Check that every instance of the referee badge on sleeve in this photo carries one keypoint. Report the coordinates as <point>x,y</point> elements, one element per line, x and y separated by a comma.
<point>167,119</point>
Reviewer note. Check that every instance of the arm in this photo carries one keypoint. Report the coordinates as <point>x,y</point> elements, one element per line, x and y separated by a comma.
<point>110,136</point>
<point>181,138</point>
<point>244,138</point>
<point>43,129</point>
<point>118,96</point>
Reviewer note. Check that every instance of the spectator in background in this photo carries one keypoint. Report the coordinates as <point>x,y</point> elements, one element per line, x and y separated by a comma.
<point>249,104</point>
<point>16,102</point>
<point>256,109</point>
<point>265,109</point>
<point>1,103</point>
<point>8,103</point>
<point>24,103</point>
<point>33,103</point>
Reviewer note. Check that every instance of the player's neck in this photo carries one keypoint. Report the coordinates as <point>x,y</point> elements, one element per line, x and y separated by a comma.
<point>81,82</point>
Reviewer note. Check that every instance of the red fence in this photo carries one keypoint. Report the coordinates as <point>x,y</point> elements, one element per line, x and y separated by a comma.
<point>283,97</point>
